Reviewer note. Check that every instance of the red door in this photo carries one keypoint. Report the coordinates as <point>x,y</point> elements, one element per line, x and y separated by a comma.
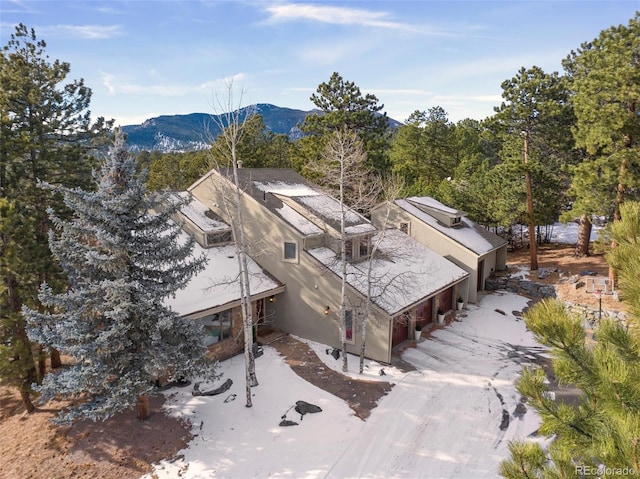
<point>445,301</point>
<point>400,330</point>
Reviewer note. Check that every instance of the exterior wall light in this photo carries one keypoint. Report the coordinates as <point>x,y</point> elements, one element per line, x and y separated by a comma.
<point>326,311</point>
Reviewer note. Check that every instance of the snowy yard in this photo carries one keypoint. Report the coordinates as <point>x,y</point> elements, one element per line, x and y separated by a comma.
<point>451,418</point>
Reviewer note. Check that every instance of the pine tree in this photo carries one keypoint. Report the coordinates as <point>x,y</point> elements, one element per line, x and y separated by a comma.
<point>603,431</point>
<point>535,107</point>
<point>17,366</point>
<point>605,81</point>
<point>343,106</point>
<point>47,134</point>
<point>123,256</point>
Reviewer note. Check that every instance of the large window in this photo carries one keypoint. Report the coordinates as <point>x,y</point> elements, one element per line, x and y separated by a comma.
<point>290,251</point>
<point>219,238</point>
<point>217,327</point>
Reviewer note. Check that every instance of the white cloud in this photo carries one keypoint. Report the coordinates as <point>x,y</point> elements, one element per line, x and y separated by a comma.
<point>91,32</point>
<point>401,91</point>
<point>115,86</point>
<point>107,81</point>
<point>334,15</point>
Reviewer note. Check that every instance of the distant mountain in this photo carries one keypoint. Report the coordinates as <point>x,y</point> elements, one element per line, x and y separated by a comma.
<point>192,132</point>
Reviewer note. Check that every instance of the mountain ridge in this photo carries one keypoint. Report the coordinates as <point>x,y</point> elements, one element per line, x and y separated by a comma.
<point>193,131</point>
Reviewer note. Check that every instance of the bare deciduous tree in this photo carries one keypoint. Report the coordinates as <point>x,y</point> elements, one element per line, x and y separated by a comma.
<point>343,170</point>
<point>232,129</point>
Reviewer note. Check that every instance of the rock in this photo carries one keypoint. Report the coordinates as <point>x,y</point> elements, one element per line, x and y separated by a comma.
<point>588,272</point>
<point>303,407</point>
<point>543,273</point>
<point>286,422</point>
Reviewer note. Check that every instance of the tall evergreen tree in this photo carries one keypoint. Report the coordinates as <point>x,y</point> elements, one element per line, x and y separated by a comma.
<point>17,366</point>
<point>605,80</point>
<point>123,256</point>
<point>601,433</point>
<point>46,134</point>
<point>535,106</point>
<point>342,105</point>
<point>423,150</point>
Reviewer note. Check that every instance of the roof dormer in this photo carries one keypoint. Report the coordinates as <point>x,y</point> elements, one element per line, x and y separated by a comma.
<point>447,216</point>
<point>199,221</point>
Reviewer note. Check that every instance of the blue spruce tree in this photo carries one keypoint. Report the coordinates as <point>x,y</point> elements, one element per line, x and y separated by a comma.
<point>123,256</point>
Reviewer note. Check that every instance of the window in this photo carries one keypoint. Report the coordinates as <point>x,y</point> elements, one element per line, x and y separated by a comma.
<point>365,247</point>
<point>219,238</point>
<point>217,327</point>
<point>348,326</point>
<point>455,221</point>
<point>348,247</point>
<point>404,227</point>
<point>290,251</point>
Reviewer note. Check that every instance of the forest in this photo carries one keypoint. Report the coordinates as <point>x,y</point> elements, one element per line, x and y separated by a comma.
<point>561,146</point>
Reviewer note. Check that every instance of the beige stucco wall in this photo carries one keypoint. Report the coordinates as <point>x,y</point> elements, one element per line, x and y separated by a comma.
<point>310,288</point>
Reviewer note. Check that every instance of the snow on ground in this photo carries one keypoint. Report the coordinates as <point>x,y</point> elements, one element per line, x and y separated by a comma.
<point>446,419</point>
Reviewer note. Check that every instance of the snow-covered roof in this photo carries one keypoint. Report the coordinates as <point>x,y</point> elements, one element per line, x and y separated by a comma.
<point>286,189</point>
<point>318,203</point>
<point>328,208</point>
<point>435,204</point>
<point>404,272</point>
<point>299,222</point>
<point>474,237</point>
<point>218,284</point>
<point>199,214</point>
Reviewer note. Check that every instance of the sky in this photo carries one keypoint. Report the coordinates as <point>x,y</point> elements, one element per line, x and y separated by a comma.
<point>145,58</point>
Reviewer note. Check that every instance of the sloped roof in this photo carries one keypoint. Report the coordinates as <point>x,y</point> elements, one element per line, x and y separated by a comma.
<point>404,272</point>
<point>472,236</point>
<point>282,190</point>
<point>219,282</point>
<point>198,213</point>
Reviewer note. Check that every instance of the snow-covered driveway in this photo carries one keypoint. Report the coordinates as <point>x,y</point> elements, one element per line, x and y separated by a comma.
<point>449,418</point>
<point>452,418</point>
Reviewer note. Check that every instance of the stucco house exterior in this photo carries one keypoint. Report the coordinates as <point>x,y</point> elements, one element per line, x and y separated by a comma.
<point>213,295</point>
<point>293,228</point>
<point>448,232</point>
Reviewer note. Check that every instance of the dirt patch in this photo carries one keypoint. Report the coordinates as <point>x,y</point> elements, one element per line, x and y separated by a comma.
<point>122,447</point>
<point>560,260</point>
<point>361,396</point>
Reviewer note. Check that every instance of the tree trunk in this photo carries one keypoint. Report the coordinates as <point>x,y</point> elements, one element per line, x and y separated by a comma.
<point>622,173</point>
<point>28,373</point>
<point>42,364</point>
<point>533,247</point>
<point>143,407</point>
<point>56,362</point>
<point>584,235</point>
<point>26,400</point>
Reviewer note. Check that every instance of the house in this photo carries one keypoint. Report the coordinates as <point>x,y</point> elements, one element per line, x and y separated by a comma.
<point>450,233</point>
<point>213,296</point>
<point>293,233</point>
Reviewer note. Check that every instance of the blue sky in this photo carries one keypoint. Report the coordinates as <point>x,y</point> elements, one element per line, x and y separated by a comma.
<point>149,58</point>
